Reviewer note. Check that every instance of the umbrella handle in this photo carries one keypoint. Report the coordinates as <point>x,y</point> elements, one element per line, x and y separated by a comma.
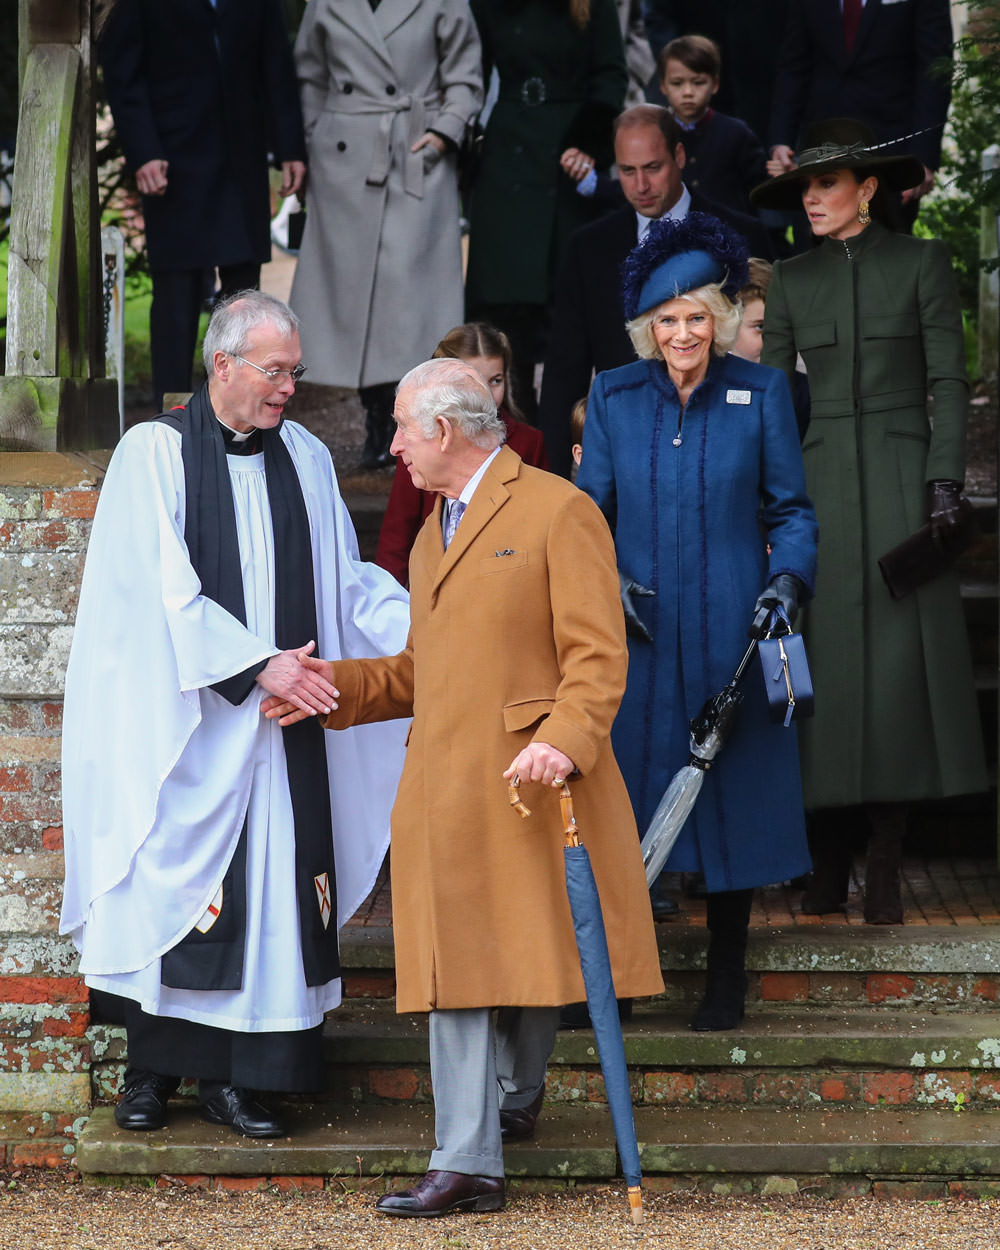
<point>569,820</point>
<point>514,798</point>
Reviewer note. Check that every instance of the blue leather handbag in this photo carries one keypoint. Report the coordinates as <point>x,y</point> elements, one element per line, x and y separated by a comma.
<point>787,680</point>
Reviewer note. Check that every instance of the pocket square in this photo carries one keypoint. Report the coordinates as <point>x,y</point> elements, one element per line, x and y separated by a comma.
<point>507,551</point>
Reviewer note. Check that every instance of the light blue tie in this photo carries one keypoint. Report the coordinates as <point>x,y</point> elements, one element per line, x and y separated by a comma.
<point>455,510</point>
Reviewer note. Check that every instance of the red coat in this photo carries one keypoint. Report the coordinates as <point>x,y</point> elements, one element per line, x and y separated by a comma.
<point>409,506</point>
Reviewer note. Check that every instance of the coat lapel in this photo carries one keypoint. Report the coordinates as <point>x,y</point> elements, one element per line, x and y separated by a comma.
<point>490,497</point>
<point>869,15</point>
<point>391,14</point>
<point>358,17</point>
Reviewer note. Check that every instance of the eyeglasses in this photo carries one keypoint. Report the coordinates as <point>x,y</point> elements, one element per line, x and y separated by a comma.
<point>274,375</point>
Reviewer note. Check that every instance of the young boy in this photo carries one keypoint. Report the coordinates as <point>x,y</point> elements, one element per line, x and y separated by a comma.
<point>724,156</point>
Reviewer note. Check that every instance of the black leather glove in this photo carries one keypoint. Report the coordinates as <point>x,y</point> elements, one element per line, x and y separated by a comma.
<point>943,498</point>
<point>784,592</point>
<point>628,587</point>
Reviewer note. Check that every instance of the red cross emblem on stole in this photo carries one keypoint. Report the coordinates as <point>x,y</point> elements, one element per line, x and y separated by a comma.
<point>322,883</point>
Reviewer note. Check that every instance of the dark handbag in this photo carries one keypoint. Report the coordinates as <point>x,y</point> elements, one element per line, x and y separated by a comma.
<point>296,228</point>
<point>920,558</point>
<point>787,680</point>
<point>470,157</point>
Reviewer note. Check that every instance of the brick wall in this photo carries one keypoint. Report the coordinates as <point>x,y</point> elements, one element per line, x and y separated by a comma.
<point>47,502</point>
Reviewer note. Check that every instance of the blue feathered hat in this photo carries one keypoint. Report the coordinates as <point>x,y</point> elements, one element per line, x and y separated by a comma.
<point>674,257</point>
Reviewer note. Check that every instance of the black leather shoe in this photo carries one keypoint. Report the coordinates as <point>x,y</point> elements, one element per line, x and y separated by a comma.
<point>437,1193</point>
<point>143,1106</point>
<point>242,1112</point>
<point>518,1123</point>
<point>664,907</point>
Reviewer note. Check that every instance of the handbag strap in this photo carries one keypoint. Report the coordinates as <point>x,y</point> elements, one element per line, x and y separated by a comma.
<point>778,617</point>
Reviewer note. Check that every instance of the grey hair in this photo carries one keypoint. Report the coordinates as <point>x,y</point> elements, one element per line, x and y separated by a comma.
<point>725,317</point>
<point>233,320</point>
<point>454,390</point>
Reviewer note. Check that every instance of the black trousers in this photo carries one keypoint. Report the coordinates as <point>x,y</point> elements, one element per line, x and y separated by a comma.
<point>178,295</point>
<point>289,1062</point>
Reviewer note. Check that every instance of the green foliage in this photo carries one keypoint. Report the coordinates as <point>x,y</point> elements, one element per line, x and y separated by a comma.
<point>953,211</point>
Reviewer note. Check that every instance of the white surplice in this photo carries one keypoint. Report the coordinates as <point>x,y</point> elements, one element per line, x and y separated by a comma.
<point>159,770</point>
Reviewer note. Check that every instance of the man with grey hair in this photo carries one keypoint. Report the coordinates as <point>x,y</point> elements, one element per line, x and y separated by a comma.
<point>209,860</point>
<point>515,666</point>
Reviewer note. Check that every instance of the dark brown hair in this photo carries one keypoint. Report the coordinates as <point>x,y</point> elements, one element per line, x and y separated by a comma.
<point>698,53</point>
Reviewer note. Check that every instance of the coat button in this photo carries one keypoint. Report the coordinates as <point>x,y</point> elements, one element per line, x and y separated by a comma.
<point>341,146</point>
<point>348,88</point>
<point>390,90</point>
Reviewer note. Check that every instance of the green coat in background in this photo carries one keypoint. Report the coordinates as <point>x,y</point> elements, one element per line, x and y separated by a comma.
<point>560,87</point>
<point>878,323</point>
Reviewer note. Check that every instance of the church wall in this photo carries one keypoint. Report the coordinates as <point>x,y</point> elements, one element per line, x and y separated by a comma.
<point>47,1045</point>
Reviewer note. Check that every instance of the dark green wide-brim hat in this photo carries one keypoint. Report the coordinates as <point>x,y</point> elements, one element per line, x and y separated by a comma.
<point>841,143</point>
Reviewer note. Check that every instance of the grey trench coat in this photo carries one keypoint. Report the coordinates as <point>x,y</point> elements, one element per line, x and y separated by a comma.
<point>379,278</point>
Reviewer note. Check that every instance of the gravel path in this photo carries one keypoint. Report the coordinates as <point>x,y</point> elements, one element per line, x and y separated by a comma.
<point>44,1211</point>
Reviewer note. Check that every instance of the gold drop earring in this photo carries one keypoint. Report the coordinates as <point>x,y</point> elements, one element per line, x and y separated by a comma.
<point>864,216</point>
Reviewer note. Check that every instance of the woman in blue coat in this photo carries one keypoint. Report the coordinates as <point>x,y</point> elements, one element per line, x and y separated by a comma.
<point>693,456</point>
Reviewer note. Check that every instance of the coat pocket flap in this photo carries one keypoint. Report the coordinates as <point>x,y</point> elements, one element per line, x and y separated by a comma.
<point>503,562</point>
<point>822,334</point>
<point>890,326</point>
<point>521,715</point>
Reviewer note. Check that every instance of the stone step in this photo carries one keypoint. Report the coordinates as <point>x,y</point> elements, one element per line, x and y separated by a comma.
<point>934,965</point>
<point>575,1142</point>
<point>805,1059</point>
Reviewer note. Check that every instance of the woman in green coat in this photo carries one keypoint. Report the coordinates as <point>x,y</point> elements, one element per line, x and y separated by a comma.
<point>876,317</point>
<point>562,82</point>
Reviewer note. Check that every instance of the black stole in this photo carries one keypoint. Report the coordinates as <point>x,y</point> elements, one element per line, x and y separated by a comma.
<point>213,547</point>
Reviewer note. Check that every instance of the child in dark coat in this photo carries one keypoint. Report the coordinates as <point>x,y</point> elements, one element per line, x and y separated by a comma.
<point>724,156</point>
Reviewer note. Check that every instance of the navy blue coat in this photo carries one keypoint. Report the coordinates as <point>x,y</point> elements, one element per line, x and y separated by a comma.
<point>692,523</point>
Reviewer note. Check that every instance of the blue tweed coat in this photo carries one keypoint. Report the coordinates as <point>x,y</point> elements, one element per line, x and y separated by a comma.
<point>692,522</point>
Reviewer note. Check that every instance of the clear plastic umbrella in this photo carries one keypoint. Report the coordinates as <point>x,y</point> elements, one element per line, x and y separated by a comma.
<point>709,730</point>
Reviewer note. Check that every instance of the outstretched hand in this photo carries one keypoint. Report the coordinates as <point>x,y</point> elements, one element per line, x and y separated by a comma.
<point>301,685</point>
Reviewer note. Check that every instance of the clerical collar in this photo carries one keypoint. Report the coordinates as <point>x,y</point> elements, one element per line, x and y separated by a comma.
<point>246,443</point>
<point>677,213</point>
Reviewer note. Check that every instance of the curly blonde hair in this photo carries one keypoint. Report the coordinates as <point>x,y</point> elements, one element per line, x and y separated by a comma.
<point>725,321</point>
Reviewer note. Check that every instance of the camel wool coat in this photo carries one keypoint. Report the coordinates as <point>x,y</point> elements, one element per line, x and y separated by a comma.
<point>379,278</point>
<point>516,636</point>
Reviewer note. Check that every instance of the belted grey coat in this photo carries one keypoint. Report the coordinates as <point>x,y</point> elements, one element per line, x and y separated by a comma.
<point>379,277</point>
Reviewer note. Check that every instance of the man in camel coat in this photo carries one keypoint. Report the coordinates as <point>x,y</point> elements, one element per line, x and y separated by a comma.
<point>515,664</point>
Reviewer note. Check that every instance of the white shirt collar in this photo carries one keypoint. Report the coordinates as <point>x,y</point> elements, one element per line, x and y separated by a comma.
<point>677,213</point>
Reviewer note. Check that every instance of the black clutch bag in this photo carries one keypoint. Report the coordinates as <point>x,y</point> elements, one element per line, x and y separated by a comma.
<point>787,680</point>
<point>296,226</point>
<point>921,557</point>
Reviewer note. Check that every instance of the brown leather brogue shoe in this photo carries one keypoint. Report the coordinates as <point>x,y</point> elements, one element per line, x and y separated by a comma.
<point>437,1193</point>
<point>518,1124</point>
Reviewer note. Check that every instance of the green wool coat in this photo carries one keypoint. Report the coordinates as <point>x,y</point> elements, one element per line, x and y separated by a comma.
<point>559,87</point>
<point>878,322</point>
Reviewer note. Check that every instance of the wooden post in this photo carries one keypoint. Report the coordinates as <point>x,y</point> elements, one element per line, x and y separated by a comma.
<point>55,394</point>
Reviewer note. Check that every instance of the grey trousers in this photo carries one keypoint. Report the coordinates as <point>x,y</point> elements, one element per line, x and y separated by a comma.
<point>478,1066</point>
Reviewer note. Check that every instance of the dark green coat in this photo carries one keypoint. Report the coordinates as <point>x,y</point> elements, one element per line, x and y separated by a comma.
<point>559,87</point>
<point>878,323</point>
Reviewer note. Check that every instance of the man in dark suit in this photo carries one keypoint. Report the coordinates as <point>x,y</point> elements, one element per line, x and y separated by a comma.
<point>202,93</point>
<point>874,60</point>
<point>588,321</point>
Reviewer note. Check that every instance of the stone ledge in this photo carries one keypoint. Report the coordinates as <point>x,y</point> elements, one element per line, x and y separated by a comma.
<point>62,1092</point>
<point>53,468</point>
<point>806,1038</point>
<point>575,1143</point>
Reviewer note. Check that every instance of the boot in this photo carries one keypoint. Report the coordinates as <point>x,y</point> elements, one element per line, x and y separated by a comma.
<point>830,845</point>
<point>883,904</point>
<point>728,918</point>
<point>379,426</point>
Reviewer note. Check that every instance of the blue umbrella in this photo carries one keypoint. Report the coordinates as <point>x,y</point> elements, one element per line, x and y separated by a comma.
<point>595,964</point>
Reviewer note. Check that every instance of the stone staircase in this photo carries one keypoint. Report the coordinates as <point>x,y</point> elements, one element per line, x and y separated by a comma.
<point>868,1056</point>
